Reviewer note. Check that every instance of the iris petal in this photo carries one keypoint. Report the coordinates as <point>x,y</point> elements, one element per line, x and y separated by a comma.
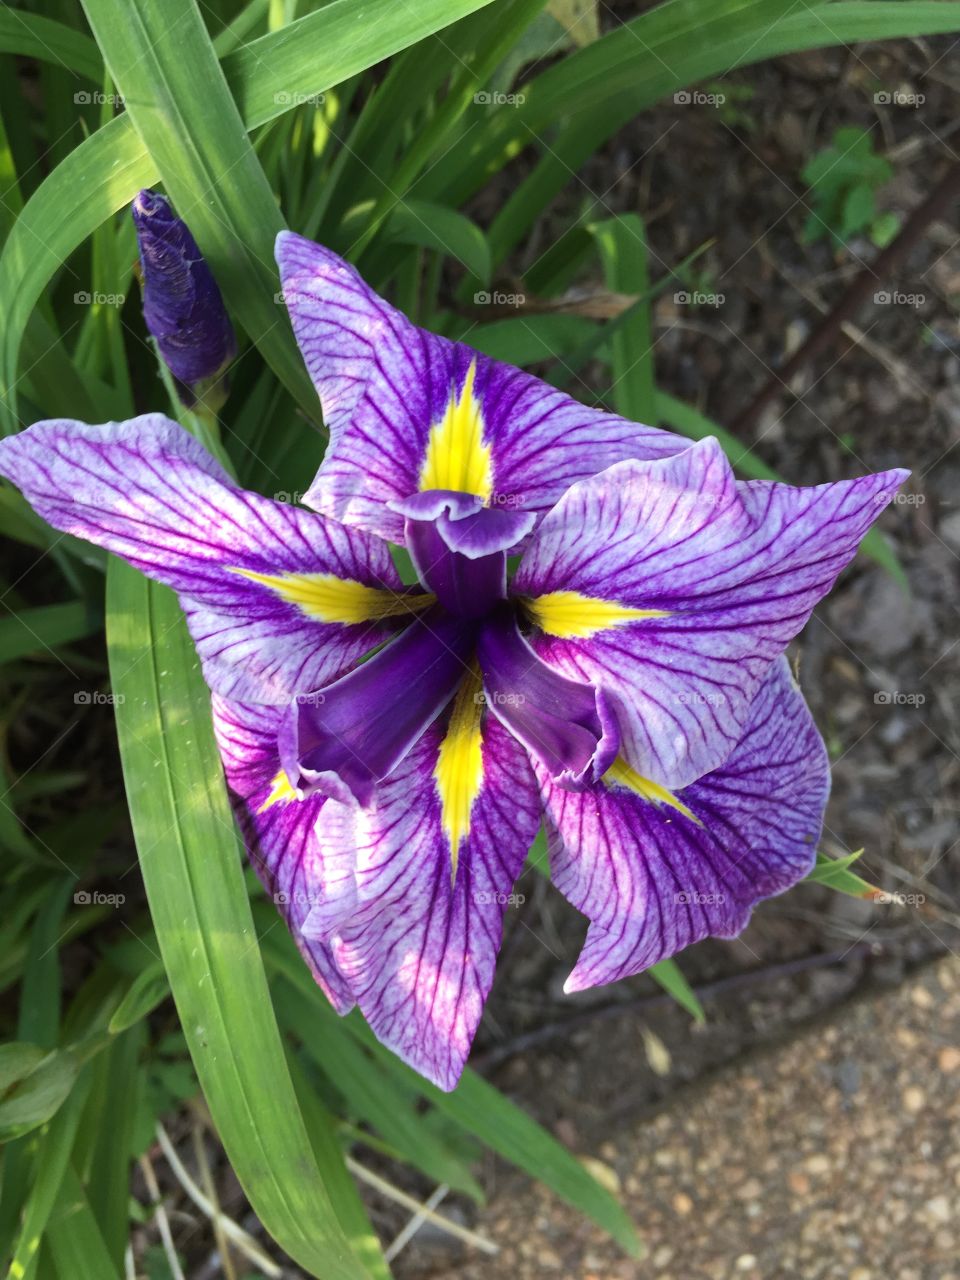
<point>149,492</point>
<point>723,574</point>
<point>565,724</point>
<point>655,872</point>
<point>407,409</point>
<point>344,738</point>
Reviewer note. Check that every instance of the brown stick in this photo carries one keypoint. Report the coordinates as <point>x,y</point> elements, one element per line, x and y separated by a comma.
<point>935,206</point>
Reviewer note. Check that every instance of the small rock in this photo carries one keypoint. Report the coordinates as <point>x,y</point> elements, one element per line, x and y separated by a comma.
<point>682,1203</point>
<point>948,1059</point>
<point>914,1099</point>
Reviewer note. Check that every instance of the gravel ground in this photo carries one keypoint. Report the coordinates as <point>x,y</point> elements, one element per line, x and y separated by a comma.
<point>833,1156</point>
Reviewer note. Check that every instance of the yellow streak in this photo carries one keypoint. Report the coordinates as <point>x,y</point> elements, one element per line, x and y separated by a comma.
<point>572,614</point>
<point>622,775</point>
<point>327,598</point>
<point>457,456</point>
<point>459,768</point>
<point>282,792</point>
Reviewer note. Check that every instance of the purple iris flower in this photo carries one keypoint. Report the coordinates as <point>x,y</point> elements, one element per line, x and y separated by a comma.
<point>626,684</point>
<point>182,305</point>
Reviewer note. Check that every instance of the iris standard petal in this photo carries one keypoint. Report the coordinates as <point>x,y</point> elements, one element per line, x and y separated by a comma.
<point>459,547</point>
<point>565,724</point>
<point>437,856</point>
<point>278,599</point>
<point>341,740</point>
<point>278,830</point>
<point>408,410</point>
<point>656,871</point>
<point>675,587</point>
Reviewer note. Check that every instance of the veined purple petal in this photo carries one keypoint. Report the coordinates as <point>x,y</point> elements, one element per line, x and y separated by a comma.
<point>419,950</point>
<point>278,831</point>
<point>346,737</point>
<point>654,875</point>
<point>727,574</point>
<point>385,386</point>
<point>278,599</point>
<point>565,724</point>
<point>459,547</point>
<point>181,302</point>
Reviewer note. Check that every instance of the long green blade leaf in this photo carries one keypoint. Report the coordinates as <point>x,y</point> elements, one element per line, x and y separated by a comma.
<point>191,866</point>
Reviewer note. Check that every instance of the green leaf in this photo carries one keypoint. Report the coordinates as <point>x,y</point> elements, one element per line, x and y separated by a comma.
<point>622,243</point>
<point>40,630</point>
<point>75,1240</point>
<point>106,171</point>
<point>670,976</point>
<point>191,865</point>
<point>148,989</point>
<point>32,1099</point>
<point>435,226</point>
<point>835,873</point>
<point>33,36</point>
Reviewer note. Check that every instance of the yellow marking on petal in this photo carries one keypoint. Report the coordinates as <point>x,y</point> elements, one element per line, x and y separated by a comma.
<point>458,457</point>
<point>570,614</point>
<point>459,768</point>
<point>622,774</point>
<point>282,792</point>
<point>326,598</point>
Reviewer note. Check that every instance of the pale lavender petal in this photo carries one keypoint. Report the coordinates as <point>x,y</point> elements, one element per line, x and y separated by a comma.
<point>149,492</point>
<point>652,879</point>
<point>736,568</point>
<point>420,949</point>
<point>384,383</point>
<point>278,831</point>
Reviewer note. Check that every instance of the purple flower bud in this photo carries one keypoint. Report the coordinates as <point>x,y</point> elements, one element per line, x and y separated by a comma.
<point>182,305</point>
